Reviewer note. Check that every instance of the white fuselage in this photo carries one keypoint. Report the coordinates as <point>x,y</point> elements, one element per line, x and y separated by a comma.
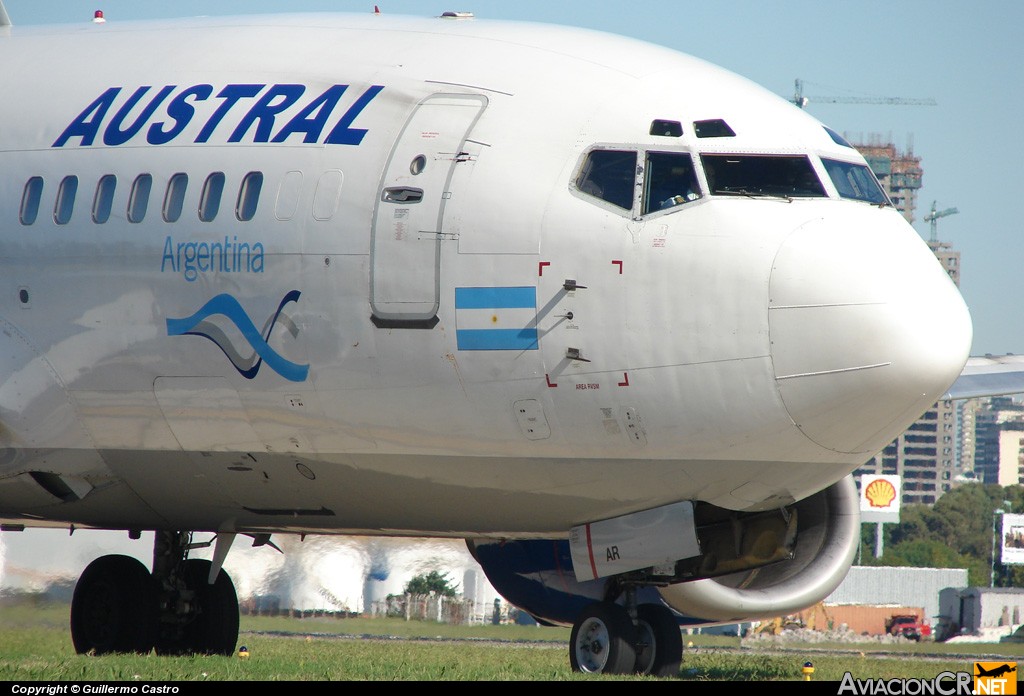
<point>742,351</point>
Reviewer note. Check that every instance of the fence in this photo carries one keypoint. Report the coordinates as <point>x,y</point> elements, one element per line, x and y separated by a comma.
<point>428,607</point>
<point>433,607</point>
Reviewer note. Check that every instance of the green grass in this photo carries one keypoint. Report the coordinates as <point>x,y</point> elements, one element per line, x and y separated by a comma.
<point>400,628</point>
<point>35,644</point>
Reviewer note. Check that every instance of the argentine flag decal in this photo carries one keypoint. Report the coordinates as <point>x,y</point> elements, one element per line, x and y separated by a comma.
<point>496,318</point>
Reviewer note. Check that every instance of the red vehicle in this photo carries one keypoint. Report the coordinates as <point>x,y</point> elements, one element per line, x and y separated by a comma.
<point>909,626</point>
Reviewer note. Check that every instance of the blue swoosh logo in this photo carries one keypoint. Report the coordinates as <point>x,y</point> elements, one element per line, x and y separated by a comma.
<point>228,306</point>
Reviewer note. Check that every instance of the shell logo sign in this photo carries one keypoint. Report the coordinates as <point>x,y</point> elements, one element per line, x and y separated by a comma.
<point>880,493</point>
<point>880,498</point>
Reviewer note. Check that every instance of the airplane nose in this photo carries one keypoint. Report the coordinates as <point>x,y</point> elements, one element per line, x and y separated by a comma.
<point>867,330</point>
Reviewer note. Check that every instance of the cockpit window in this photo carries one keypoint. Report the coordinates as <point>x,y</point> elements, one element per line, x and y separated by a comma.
<point>713,128</point>
<point>669,180</point>
<point>664,127</point>
<point>609,175</point>
<point>855,181</point>
<point>790,176</point>
<point>836,138</point>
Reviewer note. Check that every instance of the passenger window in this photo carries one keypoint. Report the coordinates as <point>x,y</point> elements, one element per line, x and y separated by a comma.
<point>669,180</point>
<point>65,204</point>
<point>609,175</point>
<point>174,198</point>
<point>103,202</point>
<point>328,194</point>
<point>288,195</point>
<point>249,196</point>
<point>209,203</point>
<point>30,199</point>
<point>138,199</point>
<point>787,176</point>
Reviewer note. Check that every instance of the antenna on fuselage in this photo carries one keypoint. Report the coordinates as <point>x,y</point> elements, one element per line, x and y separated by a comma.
<point>5,19</point>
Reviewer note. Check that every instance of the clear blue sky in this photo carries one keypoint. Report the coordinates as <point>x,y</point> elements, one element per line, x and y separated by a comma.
<point>967,56</point>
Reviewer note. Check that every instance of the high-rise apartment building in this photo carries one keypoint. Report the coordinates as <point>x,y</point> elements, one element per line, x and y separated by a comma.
<point>999,422</point>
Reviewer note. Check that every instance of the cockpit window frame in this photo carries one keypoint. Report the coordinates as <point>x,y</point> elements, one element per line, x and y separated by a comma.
<point>855,190</point>
<point>608,194</point>
<point>680,192</point>
<point>640,206</point>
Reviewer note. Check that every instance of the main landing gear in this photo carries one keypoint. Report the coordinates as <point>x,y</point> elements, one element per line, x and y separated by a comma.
<point>120,607</point>
<point>608,638</point>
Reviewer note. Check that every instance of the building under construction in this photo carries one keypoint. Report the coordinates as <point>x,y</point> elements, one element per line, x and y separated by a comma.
<point>899,173</point>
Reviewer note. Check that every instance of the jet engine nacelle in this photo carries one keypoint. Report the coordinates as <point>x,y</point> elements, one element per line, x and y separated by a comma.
<point>828,532</point>
<point>537,575</point>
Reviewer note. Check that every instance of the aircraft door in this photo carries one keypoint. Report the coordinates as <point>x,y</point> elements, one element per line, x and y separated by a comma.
<point>405,249</point>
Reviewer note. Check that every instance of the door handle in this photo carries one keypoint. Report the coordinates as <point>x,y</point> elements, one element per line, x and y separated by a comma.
<point>402,194</point>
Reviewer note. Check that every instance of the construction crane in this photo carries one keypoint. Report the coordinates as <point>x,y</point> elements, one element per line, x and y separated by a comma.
<point>802,101</point>
<point>933,217</point>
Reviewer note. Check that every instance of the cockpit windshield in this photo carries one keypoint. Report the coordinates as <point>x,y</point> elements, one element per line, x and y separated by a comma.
<point>609,175</point>
<point>652,181</point>
<point>855,181</point>
<point>669,180</point>
<point>787,176</point>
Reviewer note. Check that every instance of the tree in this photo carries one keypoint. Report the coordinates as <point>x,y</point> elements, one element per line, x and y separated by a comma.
<point>434,582</point>
<point>929,553</point>
<point>956,532</point>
